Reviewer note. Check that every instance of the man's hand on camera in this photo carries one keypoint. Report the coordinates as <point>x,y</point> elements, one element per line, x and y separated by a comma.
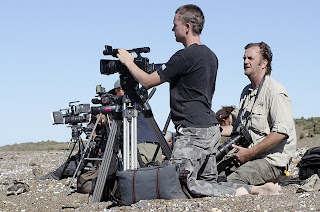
<point>145,79</point>
<point>243,155</point>
<point>124,56</point>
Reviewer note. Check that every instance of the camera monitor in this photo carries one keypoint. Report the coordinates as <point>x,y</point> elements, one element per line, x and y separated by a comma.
<point>57,117</point>
<point>82,108</point>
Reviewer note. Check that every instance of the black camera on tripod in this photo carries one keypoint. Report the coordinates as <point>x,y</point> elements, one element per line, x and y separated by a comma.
<point>104,98</point>
<point>74,114</point>
<point>240,137</point>
<point>107,100</point>
<point>128,83</point>
<point>109,67</point>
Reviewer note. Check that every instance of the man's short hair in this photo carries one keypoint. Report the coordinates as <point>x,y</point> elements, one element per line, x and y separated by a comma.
<point>192,14</point>
<point>265,52</point>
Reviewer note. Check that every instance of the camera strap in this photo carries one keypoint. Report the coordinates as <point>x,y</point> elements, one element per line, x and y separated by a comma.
<point>255,99</point>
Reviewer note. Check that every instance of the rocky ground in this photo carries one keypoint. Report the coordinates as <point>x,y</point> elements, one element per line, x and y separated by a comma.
<point>49,195</point>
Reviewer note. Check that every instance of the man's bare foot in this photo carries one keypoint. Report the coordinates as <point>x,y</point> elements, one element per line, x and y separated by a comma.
<point>266,189</point>
<point>241,191</point>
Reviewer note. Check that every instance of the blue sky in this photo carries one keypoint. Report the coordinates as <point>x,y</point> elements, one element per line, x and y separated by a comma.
<point>50,53</point>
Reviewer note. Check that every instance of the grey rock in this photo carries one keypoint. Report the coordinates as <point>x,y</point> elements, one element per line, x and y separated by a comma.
<point>17,188</point>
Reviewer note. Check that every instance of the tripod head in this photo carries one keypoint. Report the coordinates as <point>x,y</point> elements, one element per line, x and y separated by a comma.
<point>77,130</point>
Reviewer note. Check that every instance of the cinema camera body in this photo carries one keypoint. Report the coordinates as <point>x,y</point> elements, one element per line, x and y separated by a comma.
<point>74,115</point>
<point>107,101</point>
<point>128,83</point>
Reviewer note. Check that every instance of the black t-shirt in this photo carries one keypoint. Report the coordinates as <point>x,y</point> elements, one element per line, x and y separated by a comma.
<point>191,73</point>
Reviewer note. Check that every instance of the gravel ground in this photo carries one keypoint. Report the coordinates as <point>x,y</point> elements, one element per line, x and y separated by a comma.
<point>49,195</point>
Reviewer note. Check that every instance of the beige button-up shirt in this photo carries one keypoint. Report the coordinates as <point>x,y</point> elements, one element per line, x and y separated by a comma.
<point>270,112</point>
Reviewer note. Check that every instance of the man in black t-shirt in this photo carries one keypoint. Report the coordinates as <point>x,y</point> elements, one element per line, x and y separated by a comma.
<point>191,73</point>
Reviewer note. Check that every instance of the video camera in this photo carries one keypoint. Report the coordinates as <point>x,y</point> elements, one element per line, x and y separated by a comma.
<point>74,114</point>
<point>109,67</point>
<point>241,137</point>
<point>107,100</point>
<point>128,83</point>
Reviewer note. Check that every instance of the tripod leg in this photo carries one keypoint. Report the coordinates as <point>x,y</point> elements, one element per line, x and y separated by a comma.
<point>134,146</point>
<point>104,168</point>
<point>81,145</point>
<point>155,128</point>
<point>164,132</point>
<point>65,152</point>
<point>155,153</point>
<point>66,164</point>
<point>130,120</point>
<point>126,144</point>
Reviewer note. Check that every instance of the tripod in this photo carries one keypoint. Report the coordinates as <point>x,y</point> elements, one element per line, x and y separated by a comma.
<point>128,115</point>
<point>86,152</point>
<point>75,139</point>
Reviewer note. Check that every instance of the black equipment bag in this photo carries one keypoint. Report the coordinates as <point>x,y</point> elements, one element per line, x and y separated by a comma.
<point>309,163</point>
<point>159,182</point>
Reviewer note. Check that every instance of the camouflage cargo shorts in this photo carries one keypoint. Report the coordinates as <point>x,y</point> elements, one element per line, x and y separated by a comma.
<point>194,150</point>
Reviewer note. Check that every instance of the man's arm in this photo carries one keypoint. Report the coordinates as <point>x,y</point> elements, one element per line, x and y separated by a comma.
<point>244,154</point>
<point>145,79</point>
<point>226,130</point>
